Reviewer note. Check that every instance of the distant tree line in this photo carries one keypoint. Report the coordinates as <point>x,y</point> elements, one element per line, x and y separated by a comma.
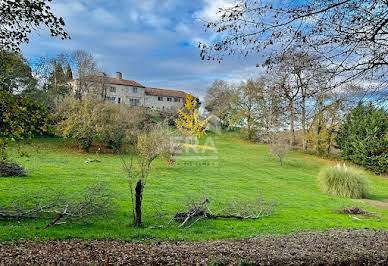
<point>294,96</point>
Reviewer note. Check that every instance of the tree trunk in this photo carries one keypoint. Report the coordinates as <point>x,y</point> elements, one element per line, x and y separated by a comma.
<point>138,198</point>
<point>292,118</point>
<point>304,123</point>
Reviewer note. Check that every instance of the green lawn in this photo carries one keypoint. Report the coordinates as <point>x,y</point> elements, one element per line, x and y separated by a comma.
<point>238,171</point>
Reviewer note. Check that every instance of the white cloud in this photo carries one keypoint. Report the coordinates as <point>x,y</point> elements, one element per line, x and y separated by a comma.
<point>211,7</point>
<point>103,17</point>
<point>146,40</point>
<point>67,10</point>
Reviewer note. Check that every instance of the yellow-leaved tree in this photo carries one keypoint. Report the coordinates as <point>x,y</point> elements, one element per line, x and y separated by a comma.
<point>190,122</point>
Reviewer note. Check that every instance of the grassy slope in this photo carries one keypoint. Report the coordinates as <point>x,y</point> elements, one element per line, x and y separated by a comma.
<point>241,171</point>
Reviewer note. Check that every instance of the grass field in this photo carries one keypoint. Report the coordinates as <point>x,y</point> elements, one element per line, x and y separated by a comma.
<point>236,170</point>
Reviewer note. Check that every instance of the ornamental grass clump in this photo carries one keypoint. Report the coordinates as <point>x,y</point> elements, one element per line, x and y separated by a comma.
<point>344,181</point>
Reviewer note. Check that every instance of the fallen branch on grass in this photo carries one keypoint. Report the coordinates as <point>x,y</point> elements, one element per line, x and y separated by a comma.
<point>94,201</point>
<point>236,210</point>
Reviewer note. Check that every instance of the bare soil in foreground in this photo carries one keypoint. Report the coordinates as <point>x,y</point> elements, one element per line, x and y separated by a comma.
<point>332,247</point>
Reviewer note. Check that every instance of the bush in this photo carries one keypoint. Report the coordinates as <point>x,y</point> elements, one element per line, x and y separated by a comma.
<point>344,181</point>
<point>363,138</point>
<point>11,169</point>
<point>89,120</point>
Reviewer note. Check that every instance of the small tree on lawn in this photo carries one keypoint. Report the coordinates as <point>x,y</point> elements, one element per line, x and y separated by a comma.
<point>150,145</point>
<point>279,148</point>
<point>189,121</point>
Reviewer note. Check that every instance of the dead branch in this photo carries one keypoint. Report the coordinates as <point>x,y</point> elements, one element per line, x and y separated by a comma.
<point>94,201</point>
<point>237,210</point>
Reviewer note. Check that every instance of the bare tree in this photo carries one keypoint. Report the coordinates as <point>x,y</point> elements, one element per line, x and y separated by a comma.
<point>151,144</point>
<point>350,35</point>
<point>325,121</point>
<point>256,106</point>
<point>218,101</point>
<point>90,78</point>
<point>290,93</point>
<point>245,107</point>
<point>305,77</point>
<point>271,107</point>
<point>279,147</point>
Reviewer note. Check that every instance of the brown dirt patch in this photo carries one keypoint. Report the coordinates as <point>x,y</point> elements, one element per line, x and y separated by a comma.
<point>333,247</point>
<point>374,203</point>
<point>357,211</point>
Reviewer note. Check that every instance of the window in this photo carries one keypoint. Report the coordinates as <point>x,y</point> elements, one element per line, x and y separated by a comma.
<point>169,99</point>
<point>133,101</point>
<point>119,100</point>
<point>113,99</point>
<point>160,98</point>
<point>112,89</point>
<point>177,100</point>
<point>134,89</point>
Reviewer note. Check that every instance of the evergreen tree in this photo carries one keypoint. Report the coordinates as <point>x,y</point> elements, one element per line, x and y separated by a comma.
<point>57,76</point>
<point>69,73</point>
<point>363,138</point>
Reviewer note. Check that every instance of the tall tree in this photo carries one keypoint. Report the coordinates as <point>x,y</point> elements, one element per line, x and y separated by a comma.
<point>245,108</point>
<point>272,109</point>
<point>15,73</point>
<point>52,83</point>
<point>90,79</point>
<point>69,73</point>
<point>284,80</point>
<point>218,101</point>
<point>57,77</point>
<point>325,122</point>
<point>19,18</point>
<point>363,137</point>
<point>306,77</point>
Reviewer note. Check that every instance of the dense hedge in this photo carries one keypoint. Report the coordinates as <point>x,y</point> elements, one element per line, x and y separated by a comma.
<point>363,138</point>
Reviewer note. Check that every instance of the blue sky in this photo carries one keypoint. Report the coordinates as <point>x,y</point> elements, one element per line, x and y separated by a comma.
<point>152,42</point>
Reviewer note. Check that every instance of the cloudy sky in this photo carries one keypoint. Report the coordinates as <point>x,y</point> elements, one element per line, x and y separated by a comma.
<point>152,42</point>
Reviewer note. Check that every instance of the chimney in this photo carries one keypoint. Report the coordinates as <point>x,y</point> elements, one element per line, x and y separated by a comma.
<point>119,75</point>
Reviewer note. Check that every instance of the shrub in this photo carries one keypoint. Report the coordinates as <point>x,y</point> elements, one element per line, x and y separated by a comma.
<point>89,120</point>
<point>11,169</point>
<point>78,121</point>
<point>344,181</point>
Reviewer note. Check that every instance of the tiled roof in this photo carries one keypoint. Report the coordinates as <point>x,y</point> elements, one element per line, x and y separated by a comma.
<point>124,82</point>
<point>113,81</point>
<point>166,93</point>
<point>148,91</point>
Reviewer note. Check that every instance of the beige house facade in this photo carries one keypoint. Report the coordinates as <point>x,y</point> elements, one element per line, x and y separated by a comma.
<point>120,91</point>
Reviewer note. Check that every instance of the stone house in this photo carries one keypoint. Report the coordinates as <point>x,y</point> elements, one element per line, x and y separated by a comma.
<point>121,91</point>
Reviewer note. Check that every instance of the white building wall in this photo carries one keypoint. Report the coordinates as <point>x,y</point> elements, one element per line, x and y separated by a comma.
<point>125,93</point>
<point>153,102</point>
